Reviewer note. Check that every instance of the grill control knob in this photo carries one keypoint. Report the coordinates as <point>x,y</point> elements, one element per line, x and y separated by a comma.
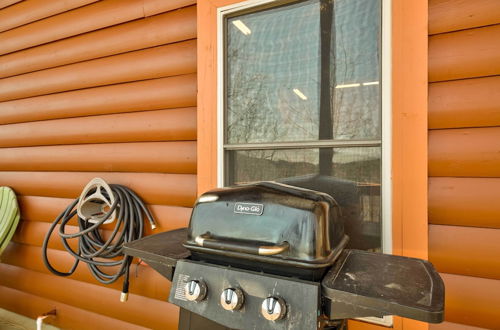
<point>195,290</point>
<point>273,308</point>
<point>232,299</point>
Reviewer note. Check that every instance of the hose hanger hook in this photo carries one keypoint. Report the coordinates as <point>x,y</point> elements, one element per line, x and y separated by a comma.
<point>95,201</point>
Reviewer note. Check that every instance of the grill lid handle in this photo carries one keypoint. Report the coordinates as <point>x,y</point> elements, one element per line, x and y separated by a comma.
<point>207,241</point>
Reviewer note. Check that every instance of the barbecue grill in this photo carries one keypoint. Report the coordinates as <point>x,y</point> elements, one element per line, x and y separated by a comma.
<point>273,256</point>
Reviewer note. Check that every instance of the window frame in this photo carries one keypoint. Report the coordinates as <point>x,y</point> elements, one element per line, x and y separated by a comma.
<point>385,96</point>
<point>409,133</point>
<point>385,109</point>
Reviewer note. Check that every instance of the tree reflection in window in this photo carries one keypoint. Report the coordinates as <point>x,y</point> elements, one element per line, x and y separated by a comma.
<point>305,72</point>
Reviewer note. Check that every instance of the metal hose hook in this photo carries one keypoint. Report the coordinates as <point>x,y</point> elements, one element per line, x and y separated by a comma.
<point>95,201</point>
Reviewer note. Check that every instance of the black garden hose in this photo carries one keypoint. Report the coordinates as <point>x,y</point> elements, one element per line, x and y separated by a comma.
<point>93,249</point>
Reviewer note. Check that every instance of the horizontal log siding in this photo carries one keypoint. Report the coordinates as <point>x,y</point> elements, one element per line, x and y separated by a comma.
<point>6,3</point>
<point>32,10</point>
<point>93,17</point>
<point>465,250</point>
<point>160,125</point>
<point>162,61</point>
<point>153,94</point>
<point>45,209</point>
<point>140,310</point>
<point>452,326</point>
<point>68,317</point>
<point>464,163</point>
<point>170,157</point>
<point>465,103</point>
<point>465,152</point>
<point>464,201</point>
<point>472,300</point>
<point>144,282</point>
<point>454,15</point>
<point>152,31</point>
<point>154,188</point>
<point>464,54</point>
<point>94,88</point>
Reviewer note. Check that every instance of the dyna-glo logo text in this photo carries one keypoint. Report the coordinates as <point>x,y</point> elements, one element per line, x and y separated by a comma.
<point>249,208</point>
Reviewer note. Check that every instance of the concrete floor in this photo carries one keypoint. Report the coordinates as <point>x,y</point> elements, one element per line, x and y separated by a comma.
<point>13,321</point>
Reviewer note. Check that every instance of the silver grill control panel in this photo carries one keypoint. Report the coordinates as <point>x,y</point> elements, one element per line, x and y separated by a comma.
<point>241,299</point>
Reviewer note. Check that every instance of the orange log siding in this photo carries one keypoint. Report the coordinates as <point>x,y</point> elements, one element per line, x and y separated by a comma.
<point>464,201</point>
<point>465,103</point>
<point>94,88</point>
<point>464,54</point>
<point>68,317</point>
<point>33,10</point>
<point>152,31</point>
<point>160,125</point>
<point>454,15</point>
<point>153,94</point>
<point>162,61</point>
<point>464,162</point>
<point>465,152</point>
<point>169,157</point>
<point>120,85</point>
<point>89,18</point>
<point>465,250</point>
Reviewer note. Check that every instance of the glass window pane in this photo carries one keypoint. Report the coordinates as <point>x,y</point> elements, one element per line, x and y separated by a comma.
<point>358,164</point>
<point>304,71</point>
<point>350,175</point>
<point>356,84</point>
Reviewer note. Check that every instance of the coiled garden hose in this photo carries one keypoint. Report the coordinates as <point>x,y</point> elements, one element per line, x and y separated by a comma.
<point>9,216</point>
<point>99,253</point>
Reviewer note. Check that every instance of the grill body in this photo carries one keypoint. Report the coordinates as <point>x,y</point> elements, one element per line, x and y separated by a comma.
<point>283,250</point>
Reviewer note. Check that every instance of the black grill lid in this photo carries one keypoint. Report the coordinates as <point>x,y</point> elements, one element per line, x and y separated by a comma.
<point>268,222</point>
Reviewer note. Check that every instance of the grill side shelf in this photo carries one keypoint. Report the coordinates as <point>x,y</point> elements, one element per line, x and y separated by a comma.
<point>372,284</point>
<point>161,251</point>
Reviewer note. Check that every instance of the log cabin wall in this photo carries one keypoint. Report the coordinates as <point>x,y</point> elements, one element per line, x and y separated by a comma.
<point>464,158</point>
<point>108,88</point>
<point>94,88</point>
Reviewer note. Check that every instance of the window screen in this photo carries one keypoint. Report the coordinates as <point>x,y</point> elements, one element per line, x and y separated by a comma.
<point>302,101</point>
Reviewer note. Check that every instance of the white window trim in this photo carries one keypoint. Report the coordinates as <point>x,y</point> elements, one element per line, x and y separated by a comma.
<point>386,95</point>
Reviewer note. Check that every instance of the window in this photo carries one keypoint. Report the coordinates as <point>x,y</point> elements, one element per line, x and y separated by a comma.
<point>301,102</point>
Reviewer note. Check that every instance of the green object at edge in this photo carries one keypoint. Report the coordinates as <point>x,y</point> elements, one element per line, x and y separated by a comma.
<point>9,216</point>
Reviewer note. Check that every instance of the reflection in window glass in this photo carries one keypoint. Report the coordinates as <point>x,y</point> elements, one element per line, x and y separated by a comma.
<point>308,71</point>
<point>274,60</point>
<point>360,165</point>
<point>353,179</point>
